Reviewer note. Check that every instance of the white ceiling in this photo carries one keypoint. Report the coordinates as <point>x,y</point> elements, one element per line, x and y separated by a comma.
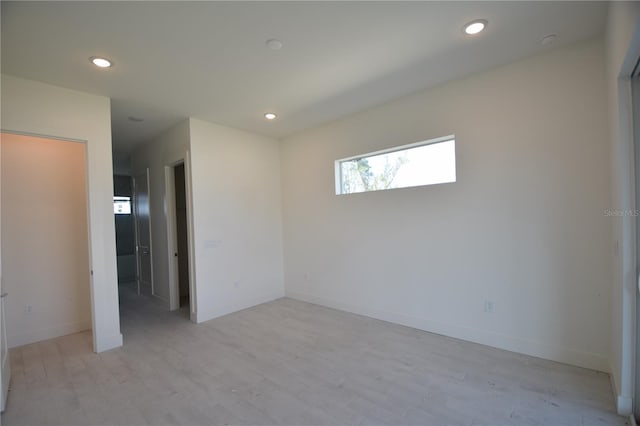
<point>209,60</point>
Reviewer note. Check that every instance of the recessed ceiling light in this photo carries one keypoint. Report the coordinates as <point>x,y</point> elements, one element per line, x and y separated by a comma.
<point>270,116</point>
<point>474,27</point>
<point>274,44</point>
<point>100,62</point>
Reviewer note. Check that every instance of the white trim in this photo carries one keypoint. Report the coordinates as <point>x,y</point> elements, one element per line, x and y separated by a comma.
<point>15,340</point>
<point>628,250</point>
<point>5,357</point>
<point>41,118</point>
<point>111,342</point>
<point>43,136</point>
<point>338,169</point>
<point>634,397</point>
<point>624,405</point>
<point>96,343</point>
<point>613,381</point>
<point>153,287</point>
<point>193,302</point>
<point>625,393</point>
<point>172,239</point>
<point>523,346</point>
<point>235,307</point>
<point>399,148</point>
<point>100,343</point>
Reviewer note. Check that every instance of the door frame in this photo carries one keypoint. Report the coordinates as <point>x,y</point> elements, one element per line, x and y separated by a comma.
<point>136,227</point>
<point>90,263</point>
<point>172,233</point>
<point>625,389</point>
<point>42,116</point>
<point>635,108</point>
<point>5,357</point>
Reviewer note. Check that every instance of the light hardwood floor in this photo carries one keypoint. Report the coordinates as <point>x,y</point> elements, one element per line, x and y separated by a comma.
<point>292,363</point>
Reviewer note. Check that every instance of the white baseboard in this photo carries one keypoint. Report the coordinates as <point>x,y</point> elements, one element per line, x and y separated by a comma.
<point>109,343</point>
<point>515,344</point>
<point>162,301</point>
<point>33,336</point>
<point>201,315</point>
<point>624,405</point>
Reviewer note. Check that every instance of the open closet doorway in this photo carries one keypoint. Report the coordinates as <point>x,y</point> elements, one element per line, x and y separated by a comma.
<point>182,241</point>
<point>178,231</point>
<point>46,267</point>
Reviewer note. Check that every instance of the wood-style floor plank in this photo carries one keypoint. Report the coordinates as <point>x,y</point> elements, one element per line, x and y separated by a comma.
<point>292,363</point>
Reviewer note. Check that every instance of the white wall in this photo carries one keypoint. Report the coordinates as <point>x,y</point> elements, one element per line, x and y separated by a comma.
<point>36,108</point>
<point>166,149</point>
<point>522,227</point>
<point>46,242</point>
<point>236,217</point>
<point>623,48</point>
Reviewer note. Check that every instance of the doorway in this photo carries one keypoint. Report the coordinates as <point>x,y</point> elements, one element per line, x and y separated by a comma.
<point>182,240</point>
<point>46,268</point>
<point>179,232</point>
<point>125,232</point>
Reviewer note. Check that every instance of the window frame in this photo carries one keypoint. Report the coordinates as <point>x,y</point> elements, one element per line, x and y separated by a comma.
<point>338,163</point>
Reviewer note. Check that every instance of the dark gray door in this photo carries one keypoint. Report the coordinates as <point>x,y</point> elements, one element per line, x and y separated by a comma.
<point>143,233</point>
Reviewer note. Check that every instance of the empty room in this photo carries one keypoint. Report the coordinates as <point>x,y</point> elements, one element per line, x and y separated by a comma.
<point>320,213</point>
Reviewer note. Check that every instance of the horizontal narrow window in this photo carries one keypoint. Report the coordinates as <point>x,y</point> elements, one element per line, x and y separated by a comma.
<point>423,163</point>
<point>122,205</point>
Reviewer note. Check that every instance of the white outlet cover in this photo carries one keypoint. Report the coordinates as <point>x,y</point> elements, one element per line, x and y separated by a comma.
<point>211,243</point>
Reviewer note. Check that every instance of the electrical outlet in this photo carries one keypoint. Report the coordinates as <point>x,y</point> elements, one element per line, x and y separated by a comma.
<point>28,309</point>
<point>489,306</point>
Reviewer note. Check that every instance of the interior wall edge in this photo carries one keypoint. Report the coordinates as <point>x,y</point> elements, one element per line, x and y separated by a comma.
<point>34,107</point>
